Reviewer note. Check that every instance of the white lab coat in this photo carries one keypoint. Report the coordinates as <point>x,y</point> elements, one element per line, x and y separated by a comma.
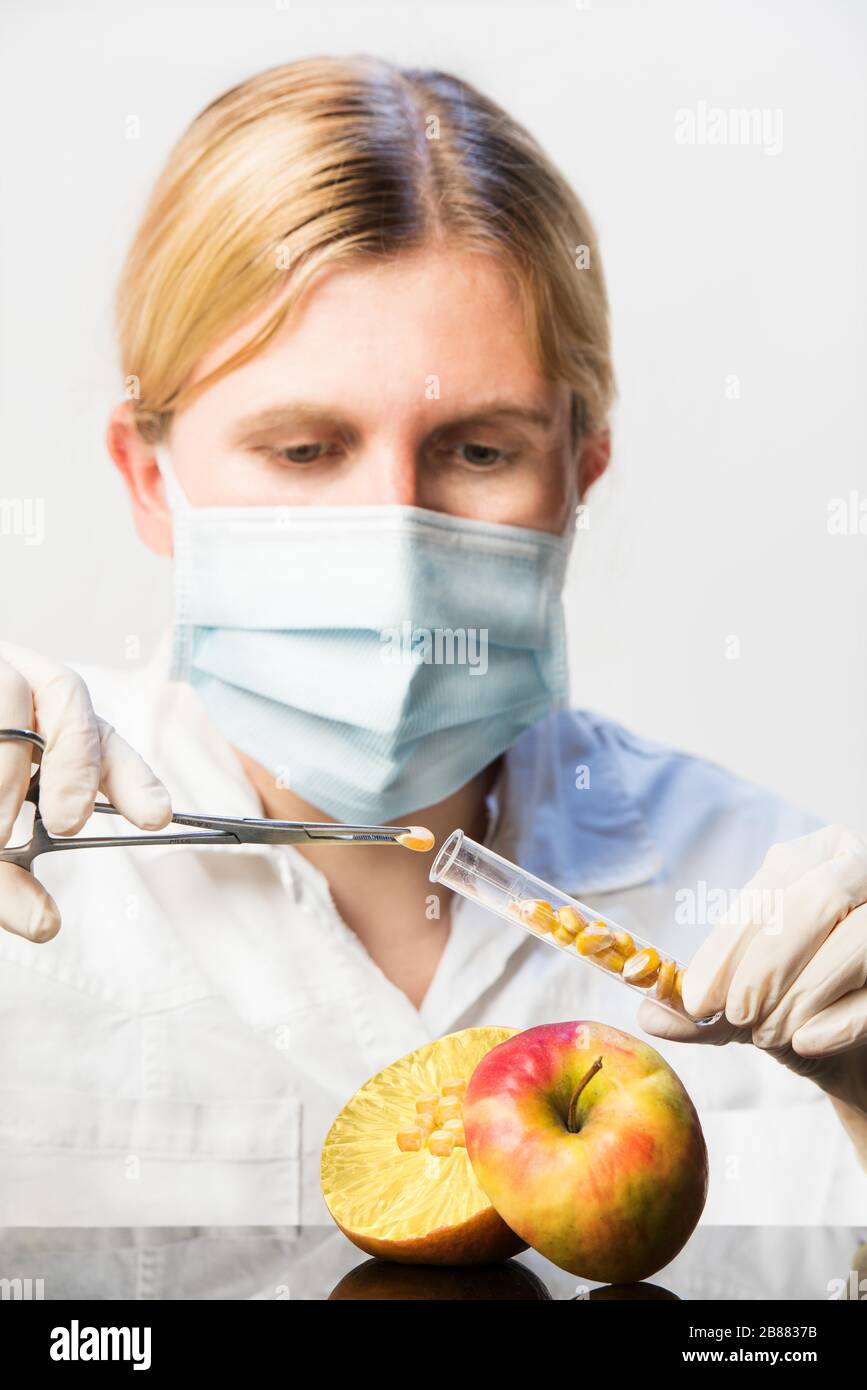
<point>176,1054</point>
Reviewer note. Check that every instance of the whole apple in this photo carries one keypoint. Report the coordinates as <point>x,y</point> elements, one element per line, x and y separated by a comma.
<point>587,1144</point>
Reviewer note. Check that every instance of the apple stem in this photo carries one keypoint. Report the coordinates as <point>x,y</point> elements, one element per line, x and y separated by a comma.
<point>573,1104</point>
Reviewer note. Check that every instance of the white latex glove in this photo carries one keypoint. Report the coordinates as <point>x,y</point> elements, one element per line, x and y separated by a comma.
<point>787,965</point>
<point>83,755</point>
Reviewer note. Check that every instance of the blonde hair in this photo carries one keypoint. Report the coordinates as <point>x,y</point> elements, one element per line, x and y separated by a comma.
<point>330,158</point>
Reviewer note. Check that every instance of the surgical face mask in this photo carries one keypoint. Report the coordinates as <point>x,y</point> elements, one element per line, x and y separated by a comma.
<point>373,659</point>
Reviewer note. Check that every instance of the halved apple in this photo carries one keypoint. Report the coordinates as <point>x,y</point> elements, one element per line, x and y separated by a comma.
<point>395,1172</point>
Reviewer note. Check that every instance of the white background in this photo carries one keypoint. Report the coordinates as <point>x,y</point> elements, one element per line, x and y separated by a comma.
<point>721,261</point>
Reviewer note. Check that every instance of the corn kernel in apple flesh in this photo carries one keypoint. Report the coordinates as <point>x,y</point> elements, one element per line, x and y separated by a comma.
<point>411,1140</point>
<point>438,1121</point>
<point>441,1143</point>
<point>454,1086</point>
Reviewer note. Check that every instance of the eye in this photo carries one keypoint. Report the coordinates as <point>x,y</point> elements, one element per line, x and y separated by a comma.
<point>480,455</point>
<point>298,453</point>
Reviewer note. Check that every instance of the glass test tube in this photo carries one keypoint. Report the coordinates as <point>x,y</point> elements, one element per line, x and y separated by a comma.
<point>563,922</point>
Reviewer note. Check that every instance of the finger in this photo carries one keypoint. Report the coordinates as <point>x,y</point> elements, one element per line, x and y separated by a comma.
<point>807,913</point>
<point>837,968</point>
<point>69,776</point>
<point>761,911</point>
<point>786,862</point>
<point>663,1023</point>
<point>836,1029</point>
<point>709,974</point>
<point>25,907</point>
<point>129,783</point>
<point>16,711</point>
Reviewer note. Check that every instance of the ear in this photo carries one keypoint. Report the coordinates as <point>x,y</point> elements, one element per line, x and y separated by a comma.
<point>137,465</point>
<point>594,454</point>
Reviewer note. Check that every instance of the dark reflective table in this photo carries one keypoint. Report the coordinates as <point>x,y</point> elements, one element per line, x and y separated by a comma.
<point>317,1263</point>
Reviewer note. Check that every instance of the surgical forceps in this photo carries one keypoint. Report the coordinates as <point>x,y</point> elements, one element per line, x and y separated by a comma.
<point>213,830</point>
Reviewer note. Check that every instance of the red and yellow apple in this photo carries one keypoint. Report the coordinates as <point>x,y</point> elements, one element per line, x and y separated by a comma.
<point>589,1148</point>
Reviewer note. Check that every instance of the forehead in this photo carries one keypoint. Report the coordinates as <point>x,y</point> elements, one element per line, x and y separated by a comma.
<point>382,328</point>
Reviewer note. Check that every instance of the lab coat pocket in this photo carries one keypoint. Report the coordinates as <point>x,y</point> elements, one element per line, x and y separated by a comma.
<point>70,1158</point>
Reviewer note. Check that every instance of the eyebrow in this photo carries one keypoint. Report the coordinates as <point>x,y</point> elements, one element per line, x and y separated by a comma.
<point>296,413</point>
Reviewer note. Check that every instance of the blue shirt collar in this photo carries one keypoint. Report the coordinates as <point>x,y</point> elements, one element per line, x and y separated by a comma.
<point>562,811</point>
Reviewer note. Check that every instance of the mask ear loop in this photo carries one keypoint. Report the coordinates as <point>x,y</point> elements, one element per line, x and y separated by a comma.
<point>571,526</point>
<point>175,495</point>
<point>182,517</point>
<point>577,425</point>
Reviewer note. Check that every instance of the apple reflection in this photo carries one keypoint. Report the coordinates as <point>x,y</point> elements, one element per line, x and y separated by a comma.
<point>380,1280</point>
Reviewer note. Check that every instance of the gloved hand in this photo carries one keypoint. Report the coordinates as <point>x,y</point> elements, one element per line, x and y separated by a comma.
<point>788,966</point>
<point>83,755</point>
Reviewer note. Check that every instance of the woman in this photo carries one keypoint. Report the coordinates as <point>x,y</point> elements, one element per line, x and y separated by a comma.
<point>363,328</point>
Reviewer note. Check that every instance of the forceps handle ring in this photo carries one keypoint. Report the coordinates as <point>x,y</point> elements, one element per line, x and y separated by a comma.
<point>41,842</point>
